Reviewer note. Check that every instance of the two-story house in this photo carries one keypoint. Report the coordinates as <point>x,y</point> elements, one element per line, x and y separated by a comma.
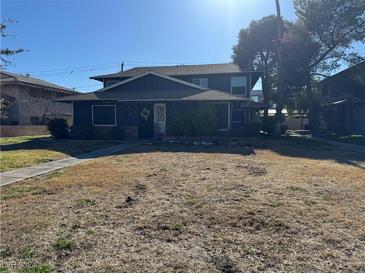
<point>30,100</point>
<point>342,98</point>
<point>141,100</point>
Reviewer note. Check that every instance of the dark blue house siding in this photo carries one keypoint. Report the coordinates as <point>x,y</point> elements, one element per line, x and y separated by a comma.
<point>215,81</point>
<point>219,81</point>
<point>150,82</point>
<point>82,115</point>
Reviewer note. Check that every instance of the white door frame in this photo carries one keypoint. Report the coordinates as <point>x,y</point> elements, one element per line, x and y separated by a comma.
<point>159,125</point>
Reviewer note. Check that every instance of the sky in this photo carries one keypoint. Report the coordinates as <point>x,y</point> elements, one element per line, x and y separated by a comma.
<point>69,41</point>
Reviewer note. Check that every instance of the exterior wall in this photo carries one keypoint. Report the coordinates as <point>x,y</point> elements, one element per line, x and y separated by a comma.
<point>33,102</point>
<point>150,82</point>
<point>217,81</point>
<point>345,119</point>
<point>130,120</point>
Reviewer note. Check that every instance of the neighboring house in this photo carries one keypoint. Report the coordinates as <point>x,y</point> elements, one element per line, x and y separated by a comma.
<point>342,98</point>
<point>142,101</point>
<point>31,100</point>
<point>257,95</point>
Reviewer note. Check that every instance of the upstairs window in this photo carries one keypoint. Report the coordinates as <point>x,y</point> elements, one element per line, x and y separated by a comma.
<point>110,83</point>
<point>239,85</point>
<point>104,115</point>
<point>203,82</point>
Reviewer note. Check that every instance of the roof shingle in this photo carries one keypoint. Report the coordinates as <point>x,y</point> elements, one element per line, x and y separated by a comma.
<point>7,77</point>
<point>176,70</point>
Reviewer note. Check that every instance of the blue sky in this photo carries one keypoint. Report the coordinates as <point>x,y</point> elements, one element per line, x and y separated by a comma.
<point>71,40</point>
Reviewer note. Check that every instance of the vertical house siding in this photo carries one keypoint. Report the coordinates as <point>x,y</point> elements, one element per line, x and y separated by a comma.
<point>217,81</point>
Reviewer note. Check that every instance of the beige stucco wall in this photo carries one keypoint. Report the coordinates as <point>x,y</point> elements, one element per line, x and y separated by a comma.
<point>27,106</point>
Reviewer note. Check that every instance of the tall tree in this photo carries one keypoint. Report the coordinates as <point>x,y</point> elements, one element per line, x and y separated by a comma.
<point>6,52</point>
<point>279,53</point>
<point>256,51</point>
<point>333,26</point>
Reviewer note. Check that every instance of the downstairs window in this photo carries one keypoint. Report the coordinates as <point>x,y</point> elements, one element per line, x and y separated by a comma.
<point>104,115</point>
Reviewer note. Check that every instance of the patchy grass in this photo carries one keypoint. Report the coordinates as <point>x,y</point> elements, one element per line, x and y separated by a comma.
<point>17,191</point>
<point>25,253</point>
<point>63,244</point>
<point>4,269</point>
<point>17,152</point>
<point>84,202</point>
<point>6,252</point>
<point>20,139</point>
<point>289,208</point>
<point>38,269</point>
<point>297,188</point>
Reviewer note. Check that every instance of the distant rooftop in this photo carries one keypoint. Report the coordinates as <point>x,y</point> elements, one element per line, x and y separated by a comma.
<point>8,77</point>
<point>175,70</point>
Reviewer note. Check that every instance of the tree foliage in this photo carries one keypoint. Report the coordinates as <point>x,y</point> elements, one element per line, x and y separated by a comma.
<point>5,53</point>
<point>328,29</point>
<point>6,102</point>
<point>256,50</point>
<point>334,25</point>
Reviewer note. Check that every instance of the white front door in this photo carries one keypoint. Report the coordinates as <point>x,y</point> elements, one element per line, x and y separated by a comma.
<point>160,120</point>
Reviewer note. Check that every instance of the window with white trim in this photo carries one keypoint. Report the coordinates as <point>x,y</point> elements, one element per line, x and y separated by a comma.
<point>239,85</point>
<point>104,115</point>
<point>203,82</point>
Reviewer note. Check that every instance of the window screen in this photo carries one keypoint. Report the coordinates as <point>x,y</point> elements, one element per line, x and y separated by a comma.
<point>238,85</point>
<point>239,90</point>
<point>103,115</point>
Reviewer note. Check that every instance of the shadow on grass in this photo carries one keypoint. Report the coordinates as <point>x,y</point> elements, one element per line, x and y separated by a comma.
<point>71,147</point>
<point>290,146</point>
<point>295,147</point>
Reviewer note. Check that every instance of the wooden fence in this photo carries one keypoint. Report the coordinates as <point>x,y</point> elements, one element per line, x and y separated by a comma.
<point>13,131</point>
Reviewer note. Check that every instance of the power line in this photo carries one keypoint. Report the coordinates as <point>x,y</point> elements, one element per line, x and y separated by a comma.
<point>106,65</point>
<point>85,86</point>
<point>70,71</point>
<point>72,68</point>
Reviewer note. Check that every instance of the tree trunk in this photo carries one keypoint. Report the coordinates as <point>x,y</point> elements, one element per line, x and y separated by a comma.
<point>313,115</point>
<point>301,120</point>
<point>265,91</point>
<point>280,85</point>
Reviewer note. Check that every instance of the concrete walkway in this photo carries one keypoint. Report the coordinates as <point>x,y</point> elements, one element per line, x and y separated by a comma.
<point>20,174</point>
<point>341,145</point>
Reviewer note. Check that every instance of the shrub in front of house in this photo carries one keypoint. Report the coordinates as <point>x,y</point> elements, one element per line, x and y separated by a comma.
<point>58,128</point>
<point>248,129</point>
<point>90,132</point>
<point>193,120</point>
<point>82,132</point>
<point>268,124</point>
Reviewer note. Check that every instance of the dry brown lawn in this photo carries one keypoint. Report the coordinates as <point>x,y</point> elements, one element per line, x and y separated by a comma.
<point>175,208</point>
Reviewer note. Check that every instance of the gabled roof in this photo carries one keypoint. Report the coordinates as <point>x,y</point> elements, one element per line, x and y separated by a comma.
<point>349,82</point>
<point>355,72</point>
<point>156,95</point>
<point>155,74</point>
<point>9,77</point>
<point>175,70</point>
<point>191,92</point>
